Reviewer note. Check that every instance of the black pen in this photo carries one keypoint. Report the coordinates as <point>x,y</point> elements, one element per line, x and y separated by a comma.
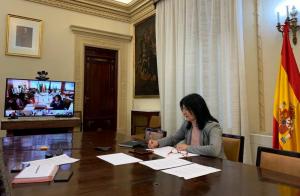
<point>37,169</point>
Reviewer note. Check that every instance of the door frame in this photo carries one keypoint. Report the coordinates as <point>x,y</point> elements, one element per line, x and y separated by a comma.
<point>107,40</point>
<point>115,114</point>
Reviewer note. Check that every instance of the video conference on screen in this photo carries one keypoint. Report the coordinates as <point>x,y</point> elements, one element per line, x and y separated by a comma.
<point>39,98</point>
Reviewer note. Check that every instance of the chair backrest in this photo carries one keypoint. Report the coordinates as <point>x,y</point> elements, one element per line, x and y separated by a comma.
<point>152,129</point>
<point>233,147</point>
<point>286,162</point>
<point>151,133</point>
<point>154,122</point>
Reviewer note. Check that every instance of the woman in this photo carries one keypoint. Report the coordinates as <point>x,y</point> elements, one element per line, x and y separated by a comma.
<point>201,132</point>
<point>57,103</point>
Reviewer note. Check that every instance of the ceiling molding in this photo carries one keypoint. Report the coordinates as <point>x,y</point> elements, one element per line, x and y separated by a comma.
<point>140,12</point>
<point>105,8</point>
<point>95,32</point>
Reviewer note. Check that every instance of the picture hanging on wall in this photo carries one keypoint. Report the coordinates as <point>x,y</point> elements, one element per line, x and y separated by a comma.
<point>146,77</point>
<point>23,36</point>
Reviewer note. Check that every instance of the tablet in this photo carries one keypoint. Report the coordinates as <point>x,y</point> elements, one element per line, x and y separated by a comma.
<point>63,176</point>
<point>141,151</point>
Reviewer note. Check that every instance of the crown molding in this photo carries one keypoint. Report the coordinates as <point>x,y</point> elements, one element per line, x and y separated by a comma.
<point>141,11</point>
<point>105,8</point>
<point>95,32</point>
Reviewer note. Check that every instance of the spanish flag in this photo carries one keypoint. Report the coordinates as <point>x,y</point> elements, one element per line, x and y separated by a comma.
<point>286,111</point>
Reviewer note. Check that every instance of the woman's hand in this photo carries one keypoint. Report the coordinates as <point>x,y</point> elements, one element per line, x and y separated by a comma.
<point>152,144</point>
<point>181,147</point>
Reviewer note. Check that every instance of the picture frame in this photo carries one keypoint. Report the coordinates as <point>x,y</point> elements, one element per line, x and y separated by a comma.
<point>23,36</point>
<point>145,64</point>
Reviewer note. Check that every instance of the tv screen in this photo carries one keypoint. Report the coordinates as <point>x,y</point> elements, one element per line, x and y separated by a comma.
<point>39,98</point>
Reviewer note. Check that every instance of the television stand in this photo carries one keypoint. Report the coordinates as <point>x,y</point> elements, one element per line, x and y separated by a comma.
<point>39,123</point>
<point>63,116</point>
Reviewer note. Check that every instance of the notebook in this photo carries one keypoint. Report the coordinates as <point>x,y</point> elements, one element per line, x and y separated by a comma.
<point>36,173</point>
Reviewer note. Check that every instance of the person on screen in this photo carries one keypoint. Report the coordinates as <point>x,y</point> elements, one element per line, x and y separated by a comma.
<point>57,103</point>
<point>17,102</point>
<point>200,131</point>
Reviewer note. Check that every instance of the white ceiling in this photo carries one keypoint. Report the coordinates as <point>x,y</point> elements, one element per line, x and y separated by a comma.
<point>124,1</point>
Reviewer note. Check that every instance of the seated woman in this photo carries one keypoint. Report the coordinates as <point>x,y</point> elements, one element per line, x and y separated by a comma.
<point>200,131</point>
<point>16,102</point>
<point>57,103</point>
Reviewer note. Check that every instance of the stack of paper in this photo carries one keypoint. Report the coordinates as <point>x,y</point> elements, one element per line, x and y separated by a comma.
<point>119,159</point>
<point>191,171</point>
<point>165,163</point>
<point>57,160</point>
<point>36,173</point>
<point>42,170</point>
<point>167,152</point>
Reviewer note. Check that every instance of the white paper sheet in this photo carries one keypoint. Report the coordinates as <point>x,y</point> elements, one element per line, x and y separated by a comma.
<point>191,171</point>
<point>57,160</point>
<point>36,171</point>
<point>165,163</point>
<point>165,152</point>
<point>119,158</point>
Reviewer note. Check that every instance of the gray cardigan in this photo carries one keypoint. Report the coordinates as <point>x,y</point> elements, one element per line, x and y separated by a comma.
<point>211,143</point>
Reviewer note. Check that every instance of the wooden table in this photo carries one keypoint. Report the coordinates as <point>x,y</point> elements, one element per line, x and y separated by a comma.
<point>93,176</point>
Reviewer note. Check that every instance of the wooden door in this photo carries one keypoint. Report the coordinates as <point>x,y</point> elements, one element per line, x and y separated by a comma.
<point>100,89</point>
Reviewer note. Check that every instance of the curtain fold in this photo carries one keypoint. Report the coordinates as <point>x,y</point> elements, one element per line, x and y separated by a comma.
<point>200,50</point>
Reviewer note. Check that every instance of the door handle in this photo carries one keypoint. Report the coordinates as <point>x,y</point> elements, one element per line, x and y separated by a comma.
<point>86,99</point>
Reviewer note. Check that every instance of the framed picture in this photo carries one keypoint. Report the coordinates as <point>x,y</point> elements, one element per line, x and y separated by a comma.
<point>146,78</point>
<point>23,36</point>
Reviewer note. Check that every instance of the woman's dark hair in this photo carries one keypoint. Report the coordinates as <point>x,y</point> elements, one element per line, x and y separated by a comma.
<point>195,104</point>
<point>58,96</point>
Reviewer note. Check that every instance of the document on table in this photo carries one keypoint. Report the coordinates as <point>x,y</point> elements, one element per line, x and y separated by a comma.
<point>165,163</point>
<point>166,152</point>
<point>36,173</point>
<point>119,158</point>
<point>57,160</point>
<point>191,171</point>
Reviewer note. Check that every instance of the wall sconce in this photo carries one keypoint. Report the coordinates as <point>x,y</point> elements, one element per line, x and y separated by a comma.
<point>292,22</point>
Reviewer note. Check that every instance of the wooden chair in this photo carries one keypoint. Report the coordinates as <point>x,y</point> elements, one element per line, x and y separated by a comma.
<point>154,123</point>
<point>233,147</point>
<point>286,162</point>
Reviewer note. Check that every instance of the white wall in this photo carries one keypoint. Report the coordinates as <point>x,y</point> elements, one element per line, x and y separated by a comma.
<point>250,45</point>
<point>271,45</point>
<point>271,42</point>
<point>259,140</point>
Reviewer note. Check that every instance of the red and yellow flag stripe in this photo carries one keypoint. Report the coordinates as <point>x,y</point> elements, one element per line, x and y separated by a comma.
<point>286,111</point>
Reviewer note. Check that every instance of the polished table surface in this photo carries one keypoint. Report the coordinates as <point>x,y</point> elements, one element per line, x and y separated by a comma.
<point>93,176</point>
